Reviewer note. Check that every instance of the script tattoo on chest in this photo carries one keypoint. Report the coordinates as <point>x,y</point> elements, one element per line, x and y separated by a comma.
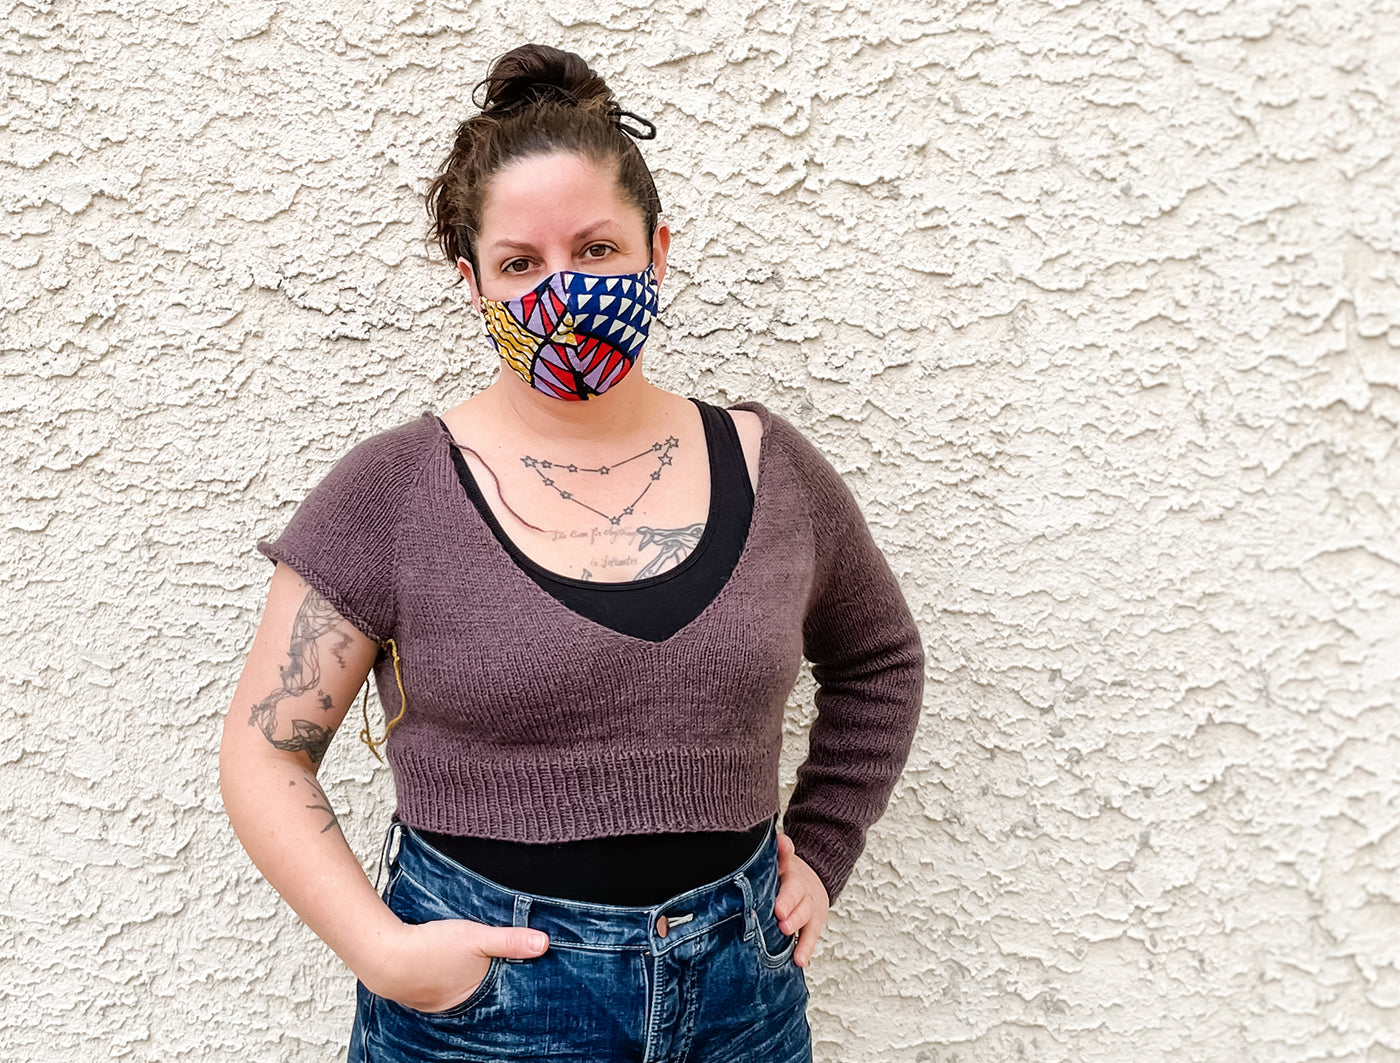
<point>300,675</point>
<point>647,551</point>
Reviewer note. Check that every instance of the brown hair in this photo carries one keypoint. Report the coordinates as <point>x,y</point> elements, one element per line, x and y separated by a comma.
<point>536,100</point>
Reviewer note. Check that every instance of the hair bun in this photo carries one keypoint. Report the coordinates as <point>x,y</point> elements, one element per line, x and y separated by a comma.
<point>536,101</point>
<point>536,73</point>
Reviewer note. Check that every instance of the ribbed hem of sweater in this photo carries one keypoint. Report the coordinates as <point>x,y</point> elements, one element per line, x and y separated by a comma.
<point>594,794</point>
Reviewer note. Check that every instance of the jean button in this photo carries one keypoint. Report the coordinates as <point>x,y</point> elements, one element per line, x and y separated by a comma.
<point>663,927</point>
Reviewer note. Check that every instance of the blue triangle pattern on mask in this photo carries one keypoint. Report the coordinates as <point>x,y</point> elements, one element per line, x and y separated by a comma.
<point>608,330</point>
<point>616,309</point>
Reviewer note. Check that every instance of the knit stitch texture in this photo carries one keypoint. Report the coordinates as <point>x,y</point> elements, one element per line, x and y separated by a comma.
<point>528,722</point>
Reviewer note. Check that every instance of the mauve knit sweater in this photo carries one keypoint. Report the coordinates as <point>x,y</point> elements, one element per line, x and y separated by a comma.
<point>530,723</point>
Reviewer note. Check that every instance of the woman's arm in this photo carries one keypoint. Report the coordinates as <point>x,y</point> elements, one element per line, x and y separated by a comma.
<point>301,676</point>
<point>867,660</point>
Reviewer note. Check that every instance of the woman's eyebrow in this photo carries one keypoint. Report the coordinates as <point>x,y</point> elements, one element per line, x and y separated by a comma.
<point>582,234</point>
<point>597,226</point>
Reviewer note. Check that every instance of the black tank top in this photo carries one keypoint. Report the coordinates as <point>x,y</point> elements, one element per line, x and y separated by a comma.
<point>634,869</point>
<point>657,607</point>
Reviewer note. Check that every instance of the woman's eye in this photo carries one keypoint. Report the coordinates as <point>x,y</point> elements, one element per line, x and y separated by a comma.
<point>596,251</point>
<point>516,265</point>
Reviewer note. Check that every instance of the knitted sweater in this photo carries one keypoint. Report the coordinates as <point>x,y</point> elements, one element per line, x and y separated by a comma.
<point>528,722</point>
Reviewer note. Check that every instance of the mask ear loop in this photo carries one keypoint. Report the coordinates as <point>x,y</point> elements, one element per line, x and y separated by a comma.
<point>365,733</point>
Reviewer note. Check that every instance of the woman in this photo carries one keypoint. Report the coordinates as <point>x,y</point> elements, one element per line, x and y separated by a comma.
<point>585,601</point>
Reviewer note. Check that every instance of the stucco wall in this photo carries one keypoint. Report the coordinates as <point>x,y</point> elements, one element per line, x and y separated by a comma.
<point>1097,305</point>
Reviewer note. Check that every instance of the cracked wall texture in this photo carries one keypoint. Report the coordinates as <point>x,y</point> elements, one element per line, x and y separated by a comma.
<point>1097,307</point>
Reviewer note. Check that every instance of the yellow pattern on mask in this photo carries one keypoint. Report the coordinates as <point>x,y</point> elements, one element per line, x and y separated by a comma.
<point>564,333</point>
<point>516,343</point>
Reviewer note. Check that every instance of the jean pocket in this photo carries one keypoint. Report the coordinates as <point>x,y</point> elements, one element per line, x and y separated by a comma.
<point>474,1001</point>
<point>774,947</point>
<point>415,903</point>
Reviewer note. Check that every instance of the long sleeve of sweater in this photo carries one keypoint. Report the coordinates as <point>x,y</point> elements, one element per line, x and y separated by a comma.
<point>868,664</point>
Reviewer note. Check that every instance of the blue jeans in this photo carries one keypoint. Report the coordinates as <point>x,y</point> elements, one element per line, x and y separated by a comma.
<point>719,986</point>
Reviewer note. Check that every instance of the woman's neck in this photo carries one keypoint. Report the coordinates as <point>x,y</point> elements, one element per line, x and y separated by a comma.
<point>632,407</point>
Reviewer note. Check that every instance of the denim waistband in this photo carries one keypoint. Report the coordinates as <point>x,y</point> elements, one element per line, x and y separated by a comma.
<point>583,925</point>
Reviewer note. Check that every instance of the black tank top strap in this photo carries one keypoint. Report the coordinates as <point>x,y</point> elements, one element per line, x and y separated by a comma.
<point>728,470</point>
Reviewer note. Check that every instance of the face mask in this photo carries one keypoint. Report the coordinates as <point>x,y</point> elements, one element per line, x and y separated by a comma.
<point>576,334</point>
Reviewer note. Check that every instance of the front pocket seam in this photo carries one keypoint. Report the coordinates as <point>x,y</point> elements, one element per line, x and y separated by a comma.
<point>487,983</point>
<point>395,873</point>
<point>770,958</point>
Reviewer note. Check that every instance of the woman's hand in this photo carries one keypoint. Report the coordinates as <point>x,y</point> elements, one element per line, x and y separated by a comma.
<point>437,965</point>
<point>802,902</point>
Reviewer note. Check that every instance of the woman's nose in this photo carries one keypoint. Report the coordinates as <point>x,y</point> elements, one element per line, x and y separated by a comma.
<point>560,263</point>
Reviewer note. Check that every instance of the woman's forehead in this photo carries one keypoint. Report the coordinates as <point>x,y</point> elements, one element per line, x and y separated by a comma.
<point>544,193</point>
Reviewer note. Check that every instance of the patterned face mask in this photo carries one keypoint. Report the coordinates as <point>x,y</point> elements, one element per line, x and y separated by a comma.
<point>575,334</point>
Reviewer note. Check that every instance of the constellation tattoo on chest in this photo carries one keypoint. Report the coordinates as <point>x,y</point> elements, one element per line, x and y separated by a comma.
<point>548,470</point>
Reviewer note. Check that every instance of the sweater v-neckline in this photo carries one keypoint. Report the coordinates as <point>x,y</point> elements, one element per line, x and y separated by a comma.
<point>536,569</point>
<point>503,556</point>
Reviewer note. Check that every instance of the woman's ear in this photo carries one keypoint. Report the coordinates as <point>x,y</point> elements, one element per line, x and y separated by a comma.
<point>465,269</point>
<point>660,245</point>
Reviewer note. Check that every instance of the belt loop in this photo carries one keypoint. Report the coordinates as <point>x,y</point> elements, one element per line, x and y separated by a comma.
<point>384,858</point>
<point>520,917</point>
<point>750,915</point>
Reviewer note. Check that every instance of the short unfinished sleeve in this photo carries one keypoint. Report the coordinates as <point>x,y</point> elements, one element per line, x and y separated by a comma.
<point>341,539</point>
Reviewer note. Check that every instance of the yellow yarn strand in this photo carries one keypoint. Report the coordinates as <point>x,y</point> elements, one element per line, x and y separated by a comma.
<point>365,733</point>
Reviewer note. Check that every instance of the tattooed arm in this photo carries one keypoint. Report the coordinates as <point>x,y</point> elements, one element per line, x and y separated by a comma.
<point>301,676</point>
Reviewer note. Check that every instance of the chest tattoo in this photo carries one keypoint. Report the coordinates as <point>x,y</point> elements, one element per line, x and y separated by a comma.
<point>650,551</point>
<point>550,473</point>
<point>673,546</point>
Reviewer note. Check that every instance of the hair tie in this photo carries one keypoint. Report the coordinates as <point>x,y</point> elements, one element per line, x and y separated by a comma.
<point>617,114</point>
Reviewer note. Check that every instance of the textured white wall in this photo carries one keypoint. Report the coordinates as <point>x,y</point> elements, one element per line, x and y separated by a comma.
<point>1097,305</point>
